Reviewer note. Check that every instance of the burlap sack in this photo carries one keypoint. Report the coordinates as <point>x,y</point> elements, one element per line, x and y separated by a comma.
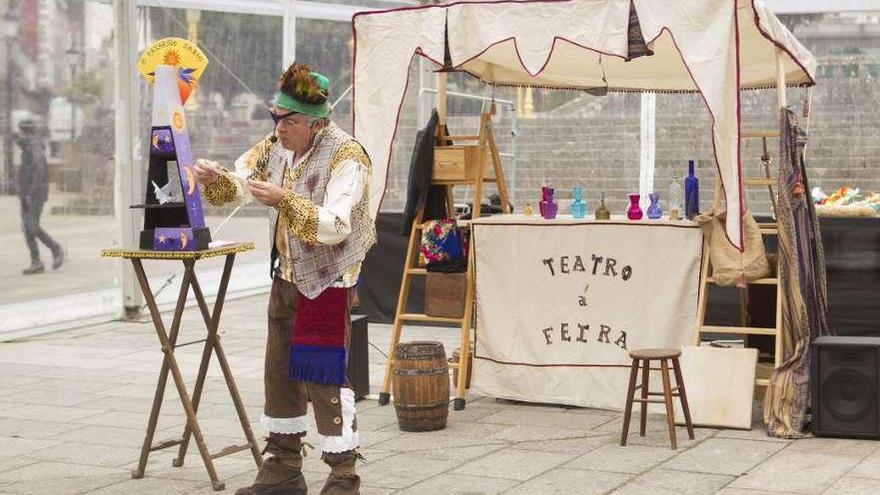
<point>730,267</point>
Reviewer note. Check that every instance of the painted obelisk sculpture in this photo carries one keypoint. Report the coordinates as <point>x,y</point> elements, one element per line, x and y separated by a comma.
<point>173,216</point>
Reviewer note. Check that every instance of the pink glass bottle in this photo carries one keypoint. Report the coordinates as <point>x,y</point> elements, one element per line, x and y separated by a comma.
<point>548,204</point>
<point>635,211</point>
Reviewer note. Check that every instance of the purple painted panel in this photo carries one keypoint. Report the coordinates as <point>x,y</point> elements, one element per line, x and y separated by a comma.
<point>161,142</point>
<point>191,195</point>
<point>173,239</point>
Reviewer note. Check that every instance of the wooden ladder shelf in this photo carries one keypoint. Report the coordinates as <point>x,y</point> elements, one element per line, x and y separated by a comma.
<point>474,177</point>
<point>770,228</point>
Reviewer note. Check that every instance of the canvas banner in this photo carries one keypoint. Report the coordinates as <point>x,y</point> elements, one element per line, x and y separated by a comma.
<point>560,302</point>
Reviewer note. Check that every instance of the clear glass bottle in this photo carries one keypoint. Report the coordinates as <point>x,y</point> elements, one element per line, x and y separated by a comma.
<point>676,197</point>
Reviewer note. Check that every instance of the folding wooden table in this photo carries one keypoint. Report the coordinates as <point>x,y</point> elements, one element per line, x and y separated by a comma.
<point>168,340</point>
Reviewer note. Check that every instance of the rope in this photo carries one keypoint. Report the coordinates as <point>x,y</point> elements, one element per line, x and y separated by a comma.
<point>214,57</point>
<point>378,349</point>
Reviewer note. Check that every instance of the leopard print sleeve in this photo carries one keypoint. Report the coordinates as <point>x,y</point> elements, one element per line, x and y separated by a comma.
<point>300,215</point>
<point>221,191</point>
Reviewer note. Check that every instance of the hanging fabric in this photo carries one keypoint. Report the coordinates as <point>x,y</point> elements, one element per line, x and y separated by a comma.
<point>803,290</point>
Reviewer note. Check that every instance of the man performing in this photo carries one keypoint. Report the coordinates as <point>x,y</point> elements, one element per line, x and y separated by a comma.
<point>315,178</point>
<point>33,191</point>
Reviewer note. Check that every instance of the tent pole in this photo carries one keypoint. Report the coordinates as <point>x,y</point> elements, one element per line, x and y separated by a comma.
<point>647,147</point>
<point>128,184</point>
<point>780,78</point>
<point>421,103</point>
<point>288,34</point>
<point>441,99</point>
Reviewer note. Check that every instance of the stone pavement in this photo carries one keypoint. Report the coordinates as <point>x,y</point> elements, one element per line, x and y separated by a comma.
<point>74,406</point>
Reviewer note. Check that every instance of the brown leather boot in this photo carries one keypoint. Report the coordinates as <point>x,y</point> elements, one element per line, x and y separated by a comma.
<point>280,474</point>
<point>342,479</point>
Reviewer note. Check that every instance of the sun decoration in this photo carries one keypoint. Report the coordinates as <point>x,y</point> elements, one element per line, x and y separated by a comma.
<point>182,54</point>
<point>171,57</point>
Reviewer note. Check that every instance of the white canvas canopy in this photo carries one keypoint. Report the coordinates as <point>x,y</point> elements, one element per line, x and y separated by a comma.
<point>714,47</point>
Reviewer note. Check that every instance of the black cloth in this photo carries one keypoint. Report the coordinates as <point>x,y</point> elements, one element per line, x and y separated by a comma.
<point>420,193</point>
<point>449,266</point>
<point>33,177</point>
<point>382,272</point>
<point>486,210</point>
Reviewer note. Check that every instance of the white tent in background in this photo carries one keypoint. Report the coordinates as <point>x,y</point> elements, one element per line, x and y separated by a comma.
<point>714,47</point>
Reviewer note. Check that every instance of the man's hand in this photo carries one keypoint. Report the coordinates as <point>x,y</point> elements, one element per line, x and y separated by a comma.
<point>25,203</point>
<point>267,193</point>
<point>207,172</point>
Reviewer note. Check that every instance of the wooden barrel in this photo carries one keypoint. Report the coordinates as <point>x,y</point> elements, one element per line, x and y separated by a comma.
<point>421,386</point>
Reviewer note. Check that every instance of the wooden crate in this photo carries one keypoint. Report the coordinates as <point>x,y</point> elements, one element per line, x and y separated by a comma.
<point>457,163</point>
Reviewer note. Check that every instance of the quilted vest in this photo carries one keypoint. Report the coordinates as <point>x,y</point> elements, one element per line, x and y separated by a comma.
<point>315,266</point>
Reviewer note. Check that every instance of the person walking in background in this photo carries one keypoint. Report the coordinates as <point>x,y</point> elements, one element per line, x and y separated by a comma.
<point>33,191</point>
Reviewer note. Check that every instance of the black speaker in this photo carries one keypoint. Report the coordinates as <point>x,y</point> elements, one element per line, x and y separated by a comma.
<point>846,386</point>
<point>359,357</point>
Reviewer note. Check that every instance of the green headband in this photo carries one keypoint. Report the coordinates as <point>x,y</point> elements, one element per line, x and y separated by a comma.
<point>320,110</point>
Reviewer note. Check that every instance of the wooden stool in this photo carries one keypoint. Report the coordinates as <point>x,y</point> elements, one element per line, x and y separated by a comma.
<point>646,356</point>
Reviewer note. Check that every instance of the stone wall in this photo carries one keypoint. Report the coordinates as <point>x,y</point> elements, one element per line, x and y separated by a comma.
<point>594,142</point>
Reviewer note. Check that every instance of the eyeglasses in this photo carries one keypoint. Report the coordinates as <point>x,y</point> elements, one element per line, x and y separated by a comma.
<point>278,118</point>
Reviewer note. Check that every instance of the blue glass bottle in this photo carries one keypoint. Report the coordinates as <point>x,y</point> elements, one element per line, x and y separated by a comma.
<point>691,193</point>
<point>578,205</point>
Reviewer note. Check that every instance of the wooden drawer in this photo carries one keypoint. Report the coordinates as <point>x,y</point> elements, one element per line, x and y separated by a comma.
<point>457,162</point>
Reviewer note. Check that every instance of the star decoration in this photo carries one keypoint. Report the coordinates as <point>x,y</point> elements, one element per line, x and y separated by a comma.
<point>162,239</point>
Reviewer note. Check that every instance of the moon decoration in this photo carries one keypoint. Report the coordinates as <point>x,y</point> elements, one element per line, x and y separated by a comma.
<point>190,180</point>
<point>177,120</point>
<point>183,240</point>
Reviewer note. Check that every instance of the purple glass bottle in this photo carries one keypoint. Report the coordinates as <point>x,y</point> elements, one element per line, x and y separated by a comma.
<point>635,211</point>
<point>548,204</point>
<point>654,212</point>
